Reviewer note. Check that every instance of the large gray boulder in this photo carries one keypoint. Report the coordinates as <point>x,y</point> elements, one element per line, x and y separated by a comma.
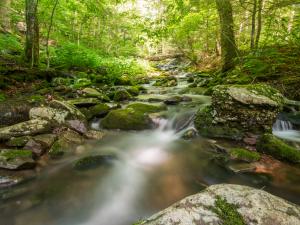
<point>229,204</point>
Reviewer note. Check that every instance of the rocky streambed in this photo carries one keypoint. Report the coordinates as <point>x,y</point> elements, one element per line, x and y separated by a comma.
<point>102,155</point>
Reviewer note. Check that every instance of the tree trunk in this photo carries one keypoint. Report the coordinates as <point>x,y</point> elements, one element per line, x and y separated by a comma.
<point>228,44</point>
<point>5,15</point>
<point>48,33</point>
<point>32,33</point>
<point>259,22</point>
<point>253,24</point>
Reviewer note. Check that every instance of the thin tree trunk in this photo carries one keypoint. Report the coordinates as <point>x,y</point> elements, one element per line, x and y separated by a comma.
<point>48,33</point>
<point>259,22</point>
<point>5,15</point>
<point>253,24</point>
<point>228,44</point>
<point>32,33</point>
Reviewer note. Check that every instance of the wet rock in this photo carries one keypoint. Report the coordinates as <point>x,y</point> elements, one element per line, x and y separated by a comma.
<point>127,119</point>
<point>121,95</point>
<point>66,143</point>
<point>92,162</point>
<point>189,134</point>
<point>99,110</point>
<point>271,145</point>
<point>8,181</point>
<point>31,127</point>
<point>14,111</point>
<point>245,205</point>
<point>16,159</point>
<point>94,134</point>
<point>239,109</point>
<point>84,102</point>
<point>18,141</point>
<point>57,115</point>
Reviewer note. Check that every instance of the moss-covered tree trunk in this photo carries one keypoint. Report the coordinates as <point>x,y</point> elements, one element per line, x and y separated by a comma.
<point>32,33</point>
<point>228,44</point>
<point>5,15</point>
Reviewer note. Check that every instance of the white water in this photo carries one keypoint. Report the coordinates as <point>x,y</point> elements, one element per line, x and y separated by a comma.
<point>284,129</point>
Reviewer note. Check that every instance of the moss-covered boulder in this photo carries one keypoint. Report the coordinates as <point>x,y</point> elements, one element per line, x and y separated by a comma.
<point>271,145</point>
<point>134,90</point>
<point>127,119</point>
<point>121,95</point>
<point>244,155</point>
<point>239,109</point>
<point>16,159</point>
<point>147,108</point>
<point>92,162</point>
<point>56,115</point>
<point>99,110</point>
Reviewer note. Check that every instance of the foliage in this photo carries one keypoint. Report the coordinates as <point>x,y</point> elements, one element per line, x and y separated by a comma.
<point>10,44</point>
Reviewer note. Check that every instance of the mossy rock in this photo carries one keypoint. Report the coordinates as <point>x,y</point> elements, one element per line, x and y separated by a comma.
<point>166,81</point>
<point>147,108</point>
<point>124,80</point>
<point>13,159</point>
<point>271,145</point>
<point>134,90</point>
<point>99,110</point>
<point>127,119</point>
<point>91,162</point>
<point>244,155</point>
<point>121,95</point>
<point>18,141</point>
<point>84,102</point>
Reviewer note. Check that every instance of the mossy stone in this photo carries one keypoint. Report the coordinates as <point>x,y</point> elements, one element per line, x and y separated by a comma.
<point>14,159</point>
<point>271,145</point>
<point>99,110</point>
<point>121,95</point>
<point>147,108</point>
<point>244,155</point>
<point>18,141</point>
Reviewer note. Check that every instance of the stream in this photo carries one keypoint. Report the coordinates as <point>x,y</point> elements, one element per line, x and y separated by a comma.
<point>152,170</point>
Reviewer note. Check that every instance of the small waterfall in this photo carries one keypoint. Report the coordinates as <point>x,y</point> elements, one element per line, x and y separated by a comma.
<point>282,125</point>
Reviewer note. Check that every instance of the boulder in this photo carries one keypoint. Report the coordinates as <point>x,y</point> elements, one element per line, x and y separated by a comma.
<point>238,109</point>
<point>121,95</point>
<point>127,119</point>
<point>31,127</point>
<point>57,115</point>
<point>91,92</point>
<point>74,113</point>
<point>271,145</point>
<point>99,110</point>
<point>229,204</point>
<point>16,159</point>
<point>77,125</point>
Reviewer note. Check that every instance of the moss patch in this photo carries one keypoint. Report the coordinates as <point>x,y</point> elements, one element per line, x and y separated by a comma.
<point>272,145</point>
<point>147,108</point>
<point>121,95</point>
<point>244,155</point>
<point>12,154</point>
<point>227,212</point>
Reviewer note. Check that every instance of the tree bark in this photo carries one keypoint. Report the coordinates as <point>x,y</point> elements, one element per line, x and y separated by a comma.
<point>48,33</point>
<point>32,33</point>
<point>259,22</point>
<point>5,15</point>
<point>228,44</point>
<point>253,24</point>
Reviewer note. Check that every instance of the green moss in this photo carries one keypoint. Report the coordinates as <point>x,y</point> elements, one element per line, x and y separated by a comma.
<point>2,97</point>
<point>18,141</point>
<point>99,110</point>
<point>147,108</point>
<point>121,95</point>
<point>56,151</point>
<point>272,145</point>
<point>12,154</point>
<point>244,154</point>
<point>227,212</point>
<point>127,119</point>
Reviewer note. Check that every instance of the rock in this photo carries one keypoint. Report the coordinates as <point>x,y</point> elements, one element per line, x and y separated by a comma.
<point>9,181</point>
<point>66,142</point>
<point>91,92</point>
<point>46,139</point>
<point>94,134</point>
<point>91,162</point>
<point>229,204</point>
<point>244,155</point>
<point>127,119</point>
<point>123,80</point>
<point>48,113</point>
<point>77,125</point>
<point>84,102</point>
<point>121,95</point>
<point>271,145</point>
<point>18,141</point>
<point>241,167</point>
<point>38,148</point>
<point>189,134</point>
<point>134,90</point>
<point>16,159</point>
<point>175,100</point>
<point>31,127</point>
<point>14,111</point>
<point>146,108</point>
<point>238,110</point>
<point>99,110</point>
<point>74,113</point>
<point>166,81</point>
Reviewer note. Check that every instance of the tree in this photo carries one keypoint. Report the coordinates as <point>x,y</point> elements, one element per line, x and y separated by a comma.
<point>32,33</point>
<point>5,15</point>
<point>228,44</point>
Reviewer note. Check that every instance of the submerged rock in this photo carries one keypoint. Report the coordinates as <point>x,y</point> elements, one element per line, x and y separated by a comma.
<point>239,109</point>
<point>127,119</point>
<point>229,204</point>
<point>16,159</point>
<point>272,145</point>
<point>31,127</point>
<point>91,162</point>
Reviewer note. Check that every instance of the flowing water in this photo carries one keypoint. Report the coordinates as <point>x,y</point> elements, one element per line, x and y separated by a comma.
<point>152,170</point>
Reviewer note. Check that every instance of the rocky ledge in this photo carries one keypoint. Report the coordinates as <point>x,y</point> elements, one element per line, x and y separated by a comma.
<point>229,204</point>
